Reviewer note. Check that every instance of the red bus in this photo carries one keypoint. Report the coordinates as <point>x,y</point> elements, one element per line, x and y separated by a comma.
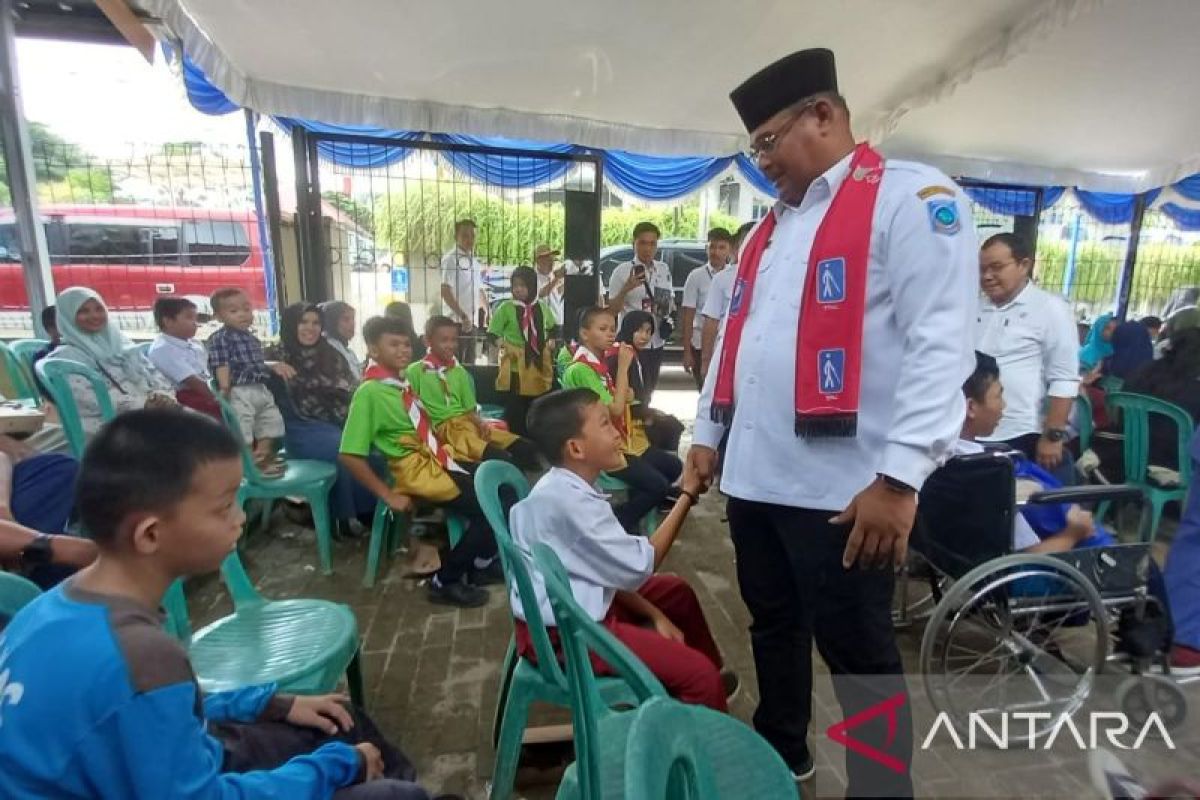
<point>133,254</point>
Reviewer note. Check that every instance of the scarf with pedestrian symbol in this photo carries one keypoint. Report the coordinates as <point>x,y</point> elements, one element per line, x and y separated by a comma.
<point>600,367</point>
<point>832,306</point>
<point>529,316</point>
<point>416,413</point>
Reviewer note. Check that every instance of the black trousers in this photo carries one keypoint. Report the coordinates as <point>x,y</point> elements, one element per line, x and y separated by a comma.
<point>649,476</point>
<point>651,359</point>
<point>478,541</point>
<point>789,567</point>
<point>516,412</point>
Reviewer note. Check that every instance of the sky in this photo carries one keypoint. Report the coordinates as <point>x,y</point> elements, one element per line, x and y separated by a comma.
<point>107,98</point>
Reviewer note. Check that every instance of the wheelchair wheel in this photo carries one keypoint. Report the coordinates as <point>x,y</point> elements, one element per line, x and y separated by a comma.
<point>1023,632</point>
<point>1141,695</point>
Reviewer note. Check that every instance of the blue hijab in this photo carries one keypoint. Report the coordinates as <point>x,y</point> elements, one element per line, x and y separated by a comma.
<point>1132,349</point>
<point>1096,348</point>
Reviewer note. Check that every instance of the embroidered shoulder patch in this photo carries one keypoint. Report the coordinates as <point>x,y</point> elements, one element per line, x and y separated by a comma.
<point>943,216</point>
<point>930,191</point>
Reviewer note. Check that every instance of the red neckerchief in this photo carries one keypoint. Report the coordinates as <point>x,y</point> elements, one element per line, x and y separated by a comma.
<point>600,367</point>
<point>529,317</point>
<point>416,413</point>
<point>832,306</point>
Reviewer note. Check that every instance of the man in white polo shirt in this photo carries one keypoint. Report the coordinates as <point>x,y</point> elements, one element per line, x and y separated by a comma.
<point>645,284</point>
<point>463,290</point>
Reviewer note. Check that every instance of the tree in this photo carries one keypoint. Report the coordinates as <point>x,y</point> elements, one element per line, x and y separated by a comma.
<point>362,214</point>
<point>65,172</point>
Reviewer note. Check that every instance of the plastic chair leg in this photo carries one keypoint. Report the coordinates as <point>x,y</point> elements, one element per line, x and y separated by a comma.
<point>354,680</point>
<point>264,521</point>
<point>319,500</point>
<point>455,527</point>
<point>1156,510</point>
<point>379,530</point>
<point>508,750</point>
<point>507,666</point>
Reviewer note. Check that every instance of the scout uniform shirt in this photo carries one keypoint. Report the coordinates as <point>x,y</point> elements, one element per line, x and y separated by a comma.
<point>581,376</point>
<point>533,379</point>
<point>449,398</point>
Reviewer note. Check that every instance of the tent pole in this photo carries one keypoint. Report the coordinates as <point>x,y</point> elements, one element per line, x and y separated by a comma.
<point>1125,287</point>
<point>22,181</point>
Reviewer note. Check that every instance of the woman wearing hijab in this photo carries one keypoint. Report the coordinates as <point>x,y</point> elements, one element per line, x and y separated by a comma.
<point>524,328</point>
<point>1131,350</point>
<point>1099,343</point>
<point>338,320</point>
<point>91,339</point>
<point>316,403</point>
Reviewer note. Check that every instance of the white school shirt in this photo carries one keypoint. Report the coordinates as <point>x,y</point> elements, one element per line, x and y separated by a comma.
<point>716,304</point>
<point>1034,340</point>
<point>556,297</point>
<point>179,359</point>
<point>463,273</point>
<point>922,284</point>
<point>1023,535</point>
<point>576,521</point>
<point>695,293</point>
<point>657,294</point>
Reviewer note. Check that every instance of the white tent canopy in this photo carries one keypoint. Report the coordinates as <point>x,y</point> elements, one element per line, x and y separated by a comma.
<point>1099,95</point>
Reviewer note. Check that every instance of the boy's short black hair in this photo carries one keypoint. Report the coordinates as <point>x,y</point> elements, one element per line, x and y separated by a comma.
<point>127,468</point>
<point>1150,322</point>
<point>742,230</point>
<point>557,417</point>
<point>720,235</point>
<point>437,322</point>
<point>589,314</point>
<point>50,318</point>
<point>170,307</point>
<point>646,227</point>
<point>463,223</point>
<point>376,327</point>
<point>987,372</point>
<point>221,295</point>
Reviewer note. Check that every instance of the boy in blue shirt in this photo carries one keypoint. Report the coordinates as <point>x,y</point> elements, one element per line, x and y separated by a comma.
<point>98,701</point>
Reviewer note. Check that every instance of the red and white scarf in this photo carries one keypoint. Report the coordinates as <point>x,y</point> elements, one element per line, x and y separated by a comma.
<point>832,307</point>
<point>416,413</point>
<point>529,317</point>
<point>600,367</point>
<point>432,363</point>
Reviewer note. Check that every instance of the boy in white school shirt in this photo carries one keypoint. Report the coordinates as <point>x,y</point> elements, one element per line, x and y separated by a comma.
<point>612,573</point>
<point>178,356</point>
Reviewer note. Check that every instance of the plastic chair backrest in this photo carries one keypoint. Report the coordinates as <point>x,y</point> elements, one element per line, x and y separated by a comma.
<point>175,604</point>
<point>143,348</point>
<point>1136,410</point>
<point>15,593</point>
<point>1111,384</point>
<point>26,349</point>
<point>18,375</point>
<point>580,636</point>
<point>249,468</point>
<point>1085,421</point>
<point>54,373</point>
<point>662,756</point>
<point>490,478</point>
<point>240,587</point>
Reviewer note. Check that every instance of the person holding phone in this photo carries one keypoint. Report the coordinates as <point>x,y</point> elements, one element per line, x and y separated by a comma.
<point>644,284</point>
<point>463,294</point>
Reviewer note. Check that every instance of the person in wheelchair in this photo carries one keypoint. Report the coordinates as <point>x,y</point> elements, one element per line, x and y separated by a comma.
<point>1048,528</point>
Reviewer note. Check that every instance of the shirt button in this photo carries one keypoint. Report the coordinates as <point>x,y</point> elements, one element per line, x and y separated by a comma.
<point>752,380</point>
<point>749,426</point>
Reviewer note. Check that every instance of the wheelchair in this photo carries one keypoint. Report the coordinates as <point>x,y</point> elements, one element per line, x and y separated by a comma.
<point>1019,632</point>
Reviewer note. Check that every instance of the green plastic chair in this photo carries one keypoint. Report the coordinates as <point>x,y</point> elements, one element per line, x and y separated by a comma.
<point>596,725</point>
<point>1111,384</point>
<point>305,478</point>
<point>522,682</point>
<point>607,483</point>
<point>304,646</point>
<point>1136,411</point>
<point>26,349</point>
<point>15,593</point>
<point>1085,421</point>
<point>388,530</point>
<point>54,373</point>
<point>19,377</point>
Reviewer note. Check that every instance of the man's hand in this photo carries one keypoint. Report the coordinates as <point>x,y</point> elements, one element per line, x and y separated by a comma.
<point>398,502</point>
<point>372,762</point>
<point>326,713</point>
<point>481,426</point>
<point>689,360</point>
<point>701,467</point>
<point>283,370</point>
<point>1049,454</point>
<point>625,356</point>
<point>158,400</point>
<point>882,519</point>
<point>635,280</point>
<point>6,513</point>
<point>667,629</point>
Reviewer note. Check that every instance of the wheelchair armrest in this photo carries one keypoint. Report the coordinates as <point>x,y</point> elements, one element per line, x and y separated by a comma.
<point>1086,494</point>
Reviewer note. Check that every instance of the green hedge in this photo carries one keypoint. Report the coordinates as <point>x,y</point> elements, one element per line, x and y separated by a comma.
<point>1160,269</point>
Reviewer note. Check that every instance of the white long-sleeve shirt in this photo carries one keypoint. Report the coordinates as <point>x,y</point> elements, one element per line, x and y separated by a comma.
<point>1034,340</point>
<point>922,284</point>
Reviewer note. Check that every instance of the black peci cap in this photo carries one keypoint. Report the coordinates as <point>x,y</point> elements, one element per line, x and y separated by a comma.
<point>777,86</point>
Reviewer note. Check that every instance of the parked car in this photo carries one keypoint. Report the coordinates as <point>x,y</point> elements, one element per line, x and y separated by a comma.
<point>134,254</point>
<point>680,255</point>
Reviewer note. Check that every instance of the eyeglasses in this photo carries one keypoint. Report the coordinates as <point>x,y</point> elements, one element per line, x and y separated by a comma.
<point>996,267</point>
<point>766,143</point>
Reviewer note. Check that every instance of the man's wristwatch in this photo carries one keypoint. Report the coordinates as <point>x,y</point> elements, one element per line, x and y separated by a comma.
<point>37,553</point>
<point>896,485</point>
<point>1055,435</point>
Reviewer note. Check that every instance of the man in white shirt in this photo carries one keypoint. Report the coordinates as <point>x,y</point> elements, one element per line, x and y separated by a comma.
<point>695,291</point>
<point>815,484</point>
<point>549,279</point>
<point>463,290</point>
<point>712,311</point>
<point>1032,336</point>
<point>645,284</point>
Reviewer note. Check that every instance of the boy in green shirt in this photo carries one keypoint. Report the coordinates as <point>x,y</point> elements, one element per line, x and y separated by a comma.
<point>524,328</point>
<point>386,414</point>
<point>447,391</point>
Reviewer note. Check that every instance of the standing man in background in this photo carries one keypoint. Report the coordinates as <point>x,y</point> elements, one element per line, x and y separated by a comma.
<point>838,375</point>
<point>713,309</point>
<point>463,292</point>
<point>1032,336</point>
<point>549,279</point>
<point>695,291</point>
<point>645,284</point>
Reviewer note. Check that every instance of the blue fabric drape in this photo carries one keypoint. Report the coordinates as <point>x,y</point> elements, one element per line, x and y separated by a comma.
<point>1013,200</point>
<point>754,175</point>
<point>204,97</point>
<point>660,177</point>
<point>1185,218</point>
<point>1112,209</point>
<point>1188,187</point>
<point>356,154</point>
<point>515,172</point>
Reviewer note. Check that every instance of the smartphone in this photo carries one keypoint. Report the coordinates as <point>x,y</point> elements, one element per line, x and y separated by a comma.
<point>639,270</point>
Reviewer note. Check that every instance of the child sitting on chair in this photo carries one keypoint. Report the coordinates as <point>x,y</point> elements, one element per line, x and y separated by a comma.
<point>1050,528</point>
<point>386,414</point>
<point>179,357</point>
<point>524,329</point>
<point>91,656</point>
<point>235,356</point>
<point>612,574</point>
<point>447,391</point>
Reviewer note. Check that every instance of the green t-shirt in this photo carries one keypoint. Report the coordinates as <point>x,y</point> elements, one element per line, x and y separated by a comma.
<point>438,404</point>
<point>506,324</point>
<point>581,376</point>
<point>377,419</point>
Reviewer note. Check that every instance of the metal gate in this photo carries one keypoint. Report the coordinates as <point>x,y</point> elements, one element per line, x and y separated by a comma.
<point>375,221</point>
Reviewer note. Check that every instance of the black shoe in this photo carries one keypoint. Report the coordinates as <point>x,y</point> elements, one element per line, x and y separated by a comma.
<point>457,594</point>
<point>804,771</point>
<point>491,575</point>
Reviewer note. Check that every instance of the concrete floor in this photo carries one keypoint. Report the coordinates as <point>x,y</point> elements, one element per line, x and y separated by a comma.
<point>432,673</point>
